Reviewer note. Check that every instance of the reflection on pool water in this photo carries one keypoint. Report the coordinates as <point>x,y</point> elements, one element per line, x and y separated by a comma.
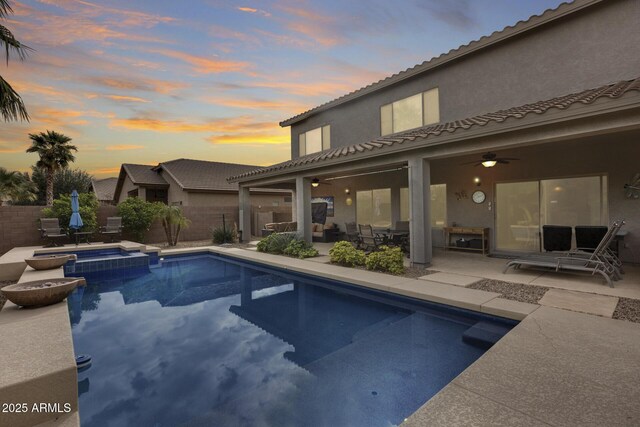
<point>204,340</point>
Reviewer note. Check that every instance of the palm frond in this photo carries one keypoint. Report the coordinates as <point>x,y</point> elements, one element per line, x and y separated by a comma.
<point>8,40</point>
<point>11,105</point>
<point>5,8</point>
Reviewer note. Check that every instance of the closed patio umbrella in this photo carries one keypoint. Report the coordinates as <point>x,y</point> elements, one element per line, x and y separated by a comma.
<point>76,220</point>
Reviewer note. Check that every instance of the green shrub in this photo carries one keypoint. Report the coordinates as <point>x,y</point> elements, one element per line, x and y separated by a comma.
<point>138,215</point>
<point>344,253</point>
<point>61,209</point>
<point>300,249</point>
<point>275,243</point>
<point>222,235</point>
<point>387,259</point>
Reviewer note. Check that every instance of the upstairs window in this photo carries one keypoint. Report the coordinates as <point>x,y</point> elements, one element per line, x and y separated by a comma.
<point>315,140</point>
<point>410,113</point>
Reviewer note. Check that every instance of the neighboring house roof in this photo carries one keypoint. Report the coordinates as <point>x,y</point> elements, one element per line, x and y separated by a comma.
<point>615,90</point>
<point>200,175</point>
<point>104,188</point>
<point>144,175</point>
<point>534,21</point>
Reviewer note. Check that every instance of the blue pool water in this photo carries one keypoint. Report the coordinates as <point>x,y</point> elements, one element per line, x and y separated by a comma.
<point>97,254</point>
<point>205,340</point>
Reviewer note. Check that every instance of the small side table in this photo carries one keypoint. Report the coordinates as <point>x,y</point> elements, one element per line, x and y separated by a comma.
<point>82,235</point>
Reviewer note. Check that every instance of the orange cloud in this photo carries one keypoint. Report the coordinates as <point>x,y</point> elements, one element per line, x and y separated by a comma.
<point>204,65</point>
<point>225,125</point>
<point>106,170</point>
<point>164,87</point>
<point>252,10</point>
<point>256,104</point>
<point>249,138</point>
<point>123,147</point>
<point>306,89</point>
<point>126,98</point>
<point>322,29</point>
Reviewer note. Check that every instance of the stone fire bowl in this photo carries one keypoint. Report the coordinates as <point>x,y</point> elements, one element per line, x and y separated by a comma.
<point>48,262</point>
<point>42,292</point>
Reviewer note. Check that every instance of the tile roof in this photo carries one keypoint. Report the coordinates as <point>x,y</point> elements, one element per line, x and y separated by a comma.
<point>532,22</point>
<point>144,175</point>
<point>204,175</point>
<point>614,90</point>
<point>104,188</point>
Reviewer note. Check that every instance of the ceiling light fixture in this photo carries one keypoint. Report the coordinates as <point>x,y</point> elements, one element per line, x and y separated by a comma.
<point>315,182</point>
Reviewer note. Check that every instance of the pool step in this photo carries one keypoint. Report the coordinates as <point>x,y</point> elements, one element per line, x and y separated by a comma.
<point>484,334</point>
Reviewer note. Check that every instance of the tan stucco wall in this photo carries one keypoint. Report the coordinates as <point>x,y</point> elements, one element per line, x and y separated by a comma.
<point>175,195</point>
<point>127,186</point>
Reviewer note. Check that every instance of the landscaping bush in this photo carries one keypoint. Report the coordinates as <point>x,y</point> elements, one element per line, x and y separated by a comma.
<point>300,249</point>
<point>138,215</point>
<point>344,253</point>
<point>275,243</point>
<point>387,259</point>
<point>222,235</point>
<point>61,209</point>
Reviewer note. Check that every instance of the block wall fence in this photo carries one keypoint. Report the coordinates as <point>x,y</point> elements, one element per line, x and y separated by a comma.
<point>19,224</point>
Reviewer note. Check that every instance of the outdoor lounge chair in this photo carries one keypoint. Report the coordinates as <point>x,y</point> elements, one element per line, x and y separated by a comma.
<point>597,262</point>
<point>50,229</point>
<point>113,229</point>
<point>370,240</point>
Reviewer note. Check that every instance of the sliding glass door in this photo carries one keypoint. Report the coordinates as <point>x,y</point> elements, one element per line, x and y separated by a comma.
<point>522,208</point>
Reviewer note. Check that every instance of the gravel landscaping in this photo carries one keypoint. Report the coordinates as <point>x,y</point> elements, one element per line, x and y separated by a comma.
<point>4,283</point>
<point>512,291</point>
<point>628,309</point>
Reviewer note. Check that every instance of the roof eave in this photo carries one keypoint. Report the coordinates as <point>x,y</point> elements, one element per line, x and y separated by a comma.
<point>576,112</point>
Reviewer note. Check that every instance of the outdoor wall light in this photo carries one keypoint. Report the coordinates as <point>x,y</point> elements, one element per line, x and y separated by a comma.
<point>489,163</point>
<point>477,181</point>
<point>347,191</point>
<point>315,182</point>
<point>349,201</point>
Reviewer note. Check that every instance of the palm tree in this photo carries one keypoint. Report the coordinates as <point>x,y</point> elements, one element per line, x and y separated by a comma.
<point>11,105</point>
<point>55,154</point>
<point>173,220</point>
<point>16,186</point>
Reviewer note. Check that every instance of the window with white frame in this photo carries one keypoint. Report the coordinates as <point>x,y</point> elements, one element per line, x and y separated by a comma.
<point>412,112</point>
<point>315,140</point>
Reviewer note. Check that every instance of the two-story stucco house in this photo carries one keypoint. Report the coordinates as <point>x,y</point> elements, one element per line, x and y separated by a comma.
<point>536,124</point>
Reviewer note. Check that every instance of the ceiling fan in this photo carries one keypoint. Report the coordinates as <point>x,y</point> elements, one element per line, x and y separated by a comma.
<point>490,159</point>
<point>315,182</point>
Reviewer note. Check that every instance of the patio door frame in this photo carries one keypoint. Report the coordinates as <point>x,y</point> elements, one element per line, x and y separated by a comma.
<point>604,204</point>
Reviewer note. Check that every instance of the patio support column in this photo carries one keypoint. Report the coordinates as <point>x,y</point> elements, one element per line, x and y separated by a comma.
<point>303,207</point>
<point>420,211</point>
<point>395,205</point>
<point>245,213</point>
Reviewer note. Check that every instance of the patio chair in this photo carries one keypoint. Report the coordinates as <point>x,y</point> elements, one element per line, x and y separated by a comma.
<point>595,262</point>
<point>370,240</point>
<point>113,229</point>
<point>352,234</point>
<point>50,229</point>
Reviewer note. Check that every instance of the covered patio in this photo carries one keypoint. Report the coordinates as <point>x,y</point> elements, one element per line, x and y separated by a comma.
<point>574,156</point>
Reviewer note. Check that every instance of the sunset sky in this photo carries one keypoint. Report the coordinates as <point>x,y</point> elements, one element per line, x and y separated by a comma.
<point>150,81</point>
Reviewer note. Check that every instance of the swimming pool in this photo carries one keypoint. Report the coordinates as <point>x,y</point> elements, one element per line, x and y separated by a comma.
<point>207,340</point>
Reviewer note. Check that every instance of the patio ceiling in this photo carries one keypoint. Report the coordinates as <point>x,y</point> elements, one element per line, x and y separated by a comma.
<point>421,137</point>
